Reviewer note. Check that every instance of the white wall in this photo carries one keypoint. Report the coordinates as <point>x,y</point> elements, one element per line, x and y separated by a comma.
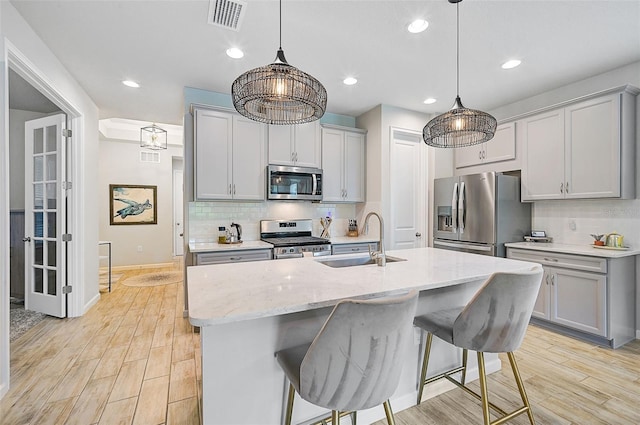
<point>378,122</point>
<point>120,164</point>
<point>17,118</point>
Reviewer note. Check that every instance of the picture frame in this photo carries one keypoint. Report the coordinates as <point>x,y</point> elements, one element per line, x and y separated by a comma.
<point>133,204</point>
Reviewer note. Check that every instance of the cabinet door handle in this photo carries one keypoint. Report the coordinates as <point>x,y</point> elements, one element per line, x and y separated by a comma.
<point>547,279</point>
<point>566,187</point>
<point>484,154</point>
<point>418,235</point>
<point>355,249</point>
<point>553,278</point>
<point>479,154</point>
<point>561,187</point>
<point>234,188</point>
<point>229,188</point>
<point>551,259</point>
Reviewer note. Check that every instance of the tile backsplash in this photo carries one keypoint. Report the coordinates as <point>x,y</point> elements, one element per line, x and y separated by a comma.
<point>206,217</point>
<point>573,221</point>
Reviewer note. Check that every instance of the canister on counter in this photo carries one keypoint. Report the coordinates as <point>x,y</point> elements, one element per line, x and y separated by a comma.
<point>222,235</point>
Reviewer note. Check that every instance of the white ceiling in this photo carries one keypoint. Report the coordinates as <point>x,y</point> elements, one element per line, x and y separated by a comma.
<point>167,45</point>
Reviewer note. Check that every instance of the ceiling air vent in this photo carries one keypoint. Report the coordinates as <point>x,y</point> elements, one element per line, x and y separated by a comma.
<point>227,13</point>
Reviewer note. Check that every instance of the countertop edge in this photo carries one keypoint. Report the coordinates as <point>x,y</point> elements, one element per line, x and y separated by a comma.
<point>586,250</point>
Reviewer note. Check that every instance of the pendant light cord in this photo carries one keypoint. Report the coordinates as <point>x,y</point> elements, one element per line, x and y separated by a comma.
<point>280,24</point>
<point>457,49</point>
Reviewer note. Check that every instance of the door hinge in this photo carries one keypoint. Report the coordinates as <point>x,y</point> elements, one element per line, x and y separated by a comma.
<point>66,237</point>
<point>67,185</point>
<point>66,133</point>
<point>67,289</point>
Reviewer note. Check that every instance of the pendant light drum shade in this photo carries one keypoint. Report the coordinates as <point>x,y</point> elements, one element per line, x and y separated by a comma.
<point>459,127</point>
<point>279,93</point>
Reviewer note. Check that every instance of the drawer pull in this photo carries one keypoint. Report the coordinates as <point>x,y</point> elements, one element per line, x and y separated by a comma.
<point>235,258</point>
<point>551,259</point>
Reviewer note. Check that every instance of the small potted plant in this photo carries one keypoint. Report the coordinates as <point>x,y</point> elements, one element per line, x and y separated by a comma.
<point>597,240</point>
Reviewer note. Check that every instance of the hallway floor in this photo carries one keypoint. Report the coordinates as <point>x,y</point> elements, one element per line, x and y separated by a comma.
<point>132,359</point>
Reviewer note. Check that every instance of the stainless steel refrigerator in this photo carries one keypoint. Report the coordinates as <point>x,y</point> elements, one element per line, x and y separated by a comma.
<point>479,212</point>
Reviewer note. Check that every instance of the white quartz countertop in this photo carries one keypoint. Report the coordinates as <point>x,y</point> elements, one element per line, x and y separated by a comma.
<point>217,247</point>
<point>224,293</point>
<point>574,249</point>
<point>342,240</point>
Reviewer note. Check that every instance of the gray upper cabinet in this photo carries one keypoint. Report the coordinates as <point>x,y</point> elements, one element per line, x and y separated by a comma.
<point>230,156</point>
<point>343,163</point>
<point>297,145</point>
<point>583,150</point>
<point>501,148</point>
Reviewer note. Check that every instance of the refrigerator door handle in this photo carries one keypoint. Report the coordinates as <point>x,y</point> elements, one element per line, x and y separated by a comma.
<point>482,248</point>
<point>461,211</point>
<point>454,208</point>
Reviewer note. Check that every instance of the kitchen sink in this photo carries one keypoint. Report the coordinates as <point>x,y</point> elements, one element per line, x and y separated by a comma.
<point>355,261</point>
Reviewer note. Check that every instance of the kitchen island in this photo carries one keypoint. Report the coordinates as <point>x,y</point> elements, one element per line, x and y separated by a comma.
<point>248,311</point>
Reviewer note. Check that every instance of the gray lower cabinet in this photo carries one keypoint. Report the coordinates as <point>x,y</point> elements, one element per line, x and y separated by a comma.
<point>590,297</point>
<point>350,248</point>
<point>240,256</point>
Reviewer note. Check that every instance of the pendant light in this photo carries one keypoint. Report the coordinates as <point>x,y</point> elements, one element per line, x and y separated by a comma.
<point>459,126</point>
<point>279,93</point>
<point>153,137</point>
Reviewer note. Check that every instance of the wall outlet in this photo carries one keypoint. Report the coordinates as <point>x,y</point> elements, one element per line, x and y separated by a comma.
<point>139,248</point>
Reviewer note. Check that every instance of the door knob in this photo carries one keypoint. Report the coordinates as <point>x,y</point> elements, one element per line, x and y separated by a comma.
<point>418,235</point>
<point>27,239</point>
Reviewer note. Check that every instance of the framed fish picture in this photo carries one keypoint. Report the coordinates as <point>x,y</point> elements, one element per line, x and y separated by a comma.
<point>133,204</point>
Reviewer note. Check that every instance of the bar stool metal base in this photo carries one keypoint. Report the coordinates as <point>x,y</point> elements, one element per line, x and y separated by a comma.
<point>484,395</point>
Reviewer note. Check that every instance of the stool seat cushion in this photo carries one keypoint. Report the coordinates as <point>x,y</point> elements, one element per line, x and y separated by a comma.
<point>440,323</point>
<point>290,360</point>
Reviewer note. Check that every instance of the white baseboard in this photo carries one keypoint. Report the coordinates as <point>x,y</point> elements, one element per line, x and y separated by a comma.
<point>93,301</point>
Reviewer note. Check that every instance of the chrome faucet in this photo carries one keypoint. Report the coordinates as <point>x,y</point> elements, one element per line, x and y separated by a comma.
<point>379,256</point>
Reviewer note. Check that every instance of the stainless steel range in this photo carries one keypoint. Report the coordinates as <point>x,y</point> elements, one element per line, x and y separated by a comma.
<point>292,238</point>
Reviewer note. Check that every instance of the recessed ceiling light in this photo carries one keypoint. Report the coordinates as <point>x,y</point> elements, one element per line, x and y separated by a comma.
<point>349,81</point>
<point>511,64</point>
<point>130,83</point>
<point>417,26</point>
<point>429,101</point>
<point>235,53</point>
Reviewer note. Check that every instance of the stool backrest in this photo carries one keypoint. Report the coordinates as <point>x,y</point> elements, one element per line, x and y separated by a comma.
<point>355,361</point>
<point>496,318</point>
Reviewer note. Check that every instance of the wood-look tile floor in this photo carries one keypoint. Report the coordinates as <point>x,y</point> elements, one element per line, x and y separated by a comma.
<point>567,381</point>
<point>133,359</point>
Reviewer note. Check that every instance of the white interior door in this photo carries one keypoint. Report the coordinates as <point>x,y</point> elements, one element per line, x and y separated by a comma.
<point>408,190</point>
<point>45,253</point>
<point>178,213</point>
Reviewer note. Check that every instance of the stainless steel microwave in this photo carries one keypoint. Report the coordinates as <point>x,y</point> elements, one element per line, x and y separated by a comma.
<point>294,183</point>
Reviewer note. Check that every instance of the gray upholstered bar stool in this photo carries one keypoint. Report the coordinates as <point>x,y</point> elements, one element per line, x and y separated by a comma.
<point>494,321</point>
<point>355,360</point>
